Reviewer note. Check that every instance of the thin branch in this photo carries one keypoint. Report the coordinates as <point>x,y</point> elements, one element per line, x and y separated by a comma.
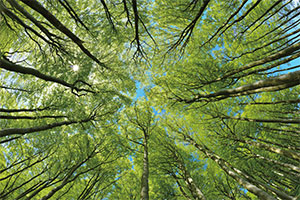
<point>187,32</point>
<point>108,15</point>
<point>226,23</point>
<point>5,64</point>
<point>35,5</point>
<point>72,13</point>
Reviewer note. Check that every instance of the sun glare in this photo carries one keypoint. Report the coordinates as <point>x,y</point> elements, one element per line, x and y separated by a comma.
<point>75,68</point>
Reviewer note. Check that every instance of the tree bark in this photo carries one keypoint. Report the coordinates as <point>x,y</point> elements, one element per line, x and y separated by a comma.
<point>286,121</point>
<point>271,84</point>
<point>283,152</point>
<point>231,171</point>
<point>145,173</point>
<point>286,165</point>
<point>31,18</point>
<point>5,64</point>
<point>35,5</point>
<point>22,131</point>
<point>196,192</point>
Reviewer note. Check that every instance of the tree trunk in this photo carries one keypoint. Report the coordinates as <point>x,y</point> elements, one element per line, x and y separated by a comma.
<point>145,173</point>
<point>286,165</point>
<point>196,192</point>
<point>261,194</point>
<point>291,154</point>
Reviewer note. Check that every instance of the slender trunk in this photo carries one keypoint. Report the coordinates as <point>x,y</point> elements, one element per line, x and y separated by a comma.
<point>145,173</point>
<point>271,84</point>
<point>286,165</point>
<point>267,85</point>
<point>242,178</point>
<point>279,120</point>
<point>196,192</point>
<point>288,153</point>
<point>286,146</point>
<point>273,102</point>
<point>261,194</point>
<point>69,175</point>
<point>180,187</point>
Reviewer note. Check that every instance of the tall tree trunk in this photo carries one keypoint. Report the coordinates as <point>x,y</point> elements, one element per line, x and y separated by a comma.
<point>286,165</point>
<point>287,153</point>
<point>196,192</point>
<point>261,194</point>
<point>243,179</point>
<point>145,173</point>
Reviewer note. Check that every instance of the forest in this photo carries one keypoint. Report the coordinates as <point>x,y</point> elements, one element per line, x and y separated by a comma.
<point>149,99</point>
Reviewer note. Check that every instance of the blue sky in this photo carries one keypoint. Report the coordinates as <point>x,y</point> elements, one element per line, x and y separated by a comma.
<point>139,90</point>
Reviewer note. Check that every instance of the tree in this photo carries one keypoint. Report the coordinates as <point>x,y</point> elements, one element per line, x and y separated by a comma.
<point>138,131</point>
<point>219,118</point>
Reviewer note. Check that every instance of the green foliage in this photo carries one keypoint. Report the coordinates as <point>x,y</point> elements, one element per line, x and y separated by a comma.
<point>220,115</point>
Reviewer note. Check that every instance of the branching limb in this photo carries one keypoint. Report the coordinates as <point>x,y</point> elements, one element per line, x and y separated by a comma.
<point>187,32</point>
<point>226,23</point>
<point>108,15</point>
<point>35,5</point>
<point>72,13</point>
<point>23,131</point>
<point>5,64</point>
<point>271,84</point>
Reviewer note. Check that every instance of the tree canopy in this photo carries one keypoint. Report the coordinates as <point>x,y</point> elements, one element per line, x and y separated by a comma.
<point>127,99</point>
